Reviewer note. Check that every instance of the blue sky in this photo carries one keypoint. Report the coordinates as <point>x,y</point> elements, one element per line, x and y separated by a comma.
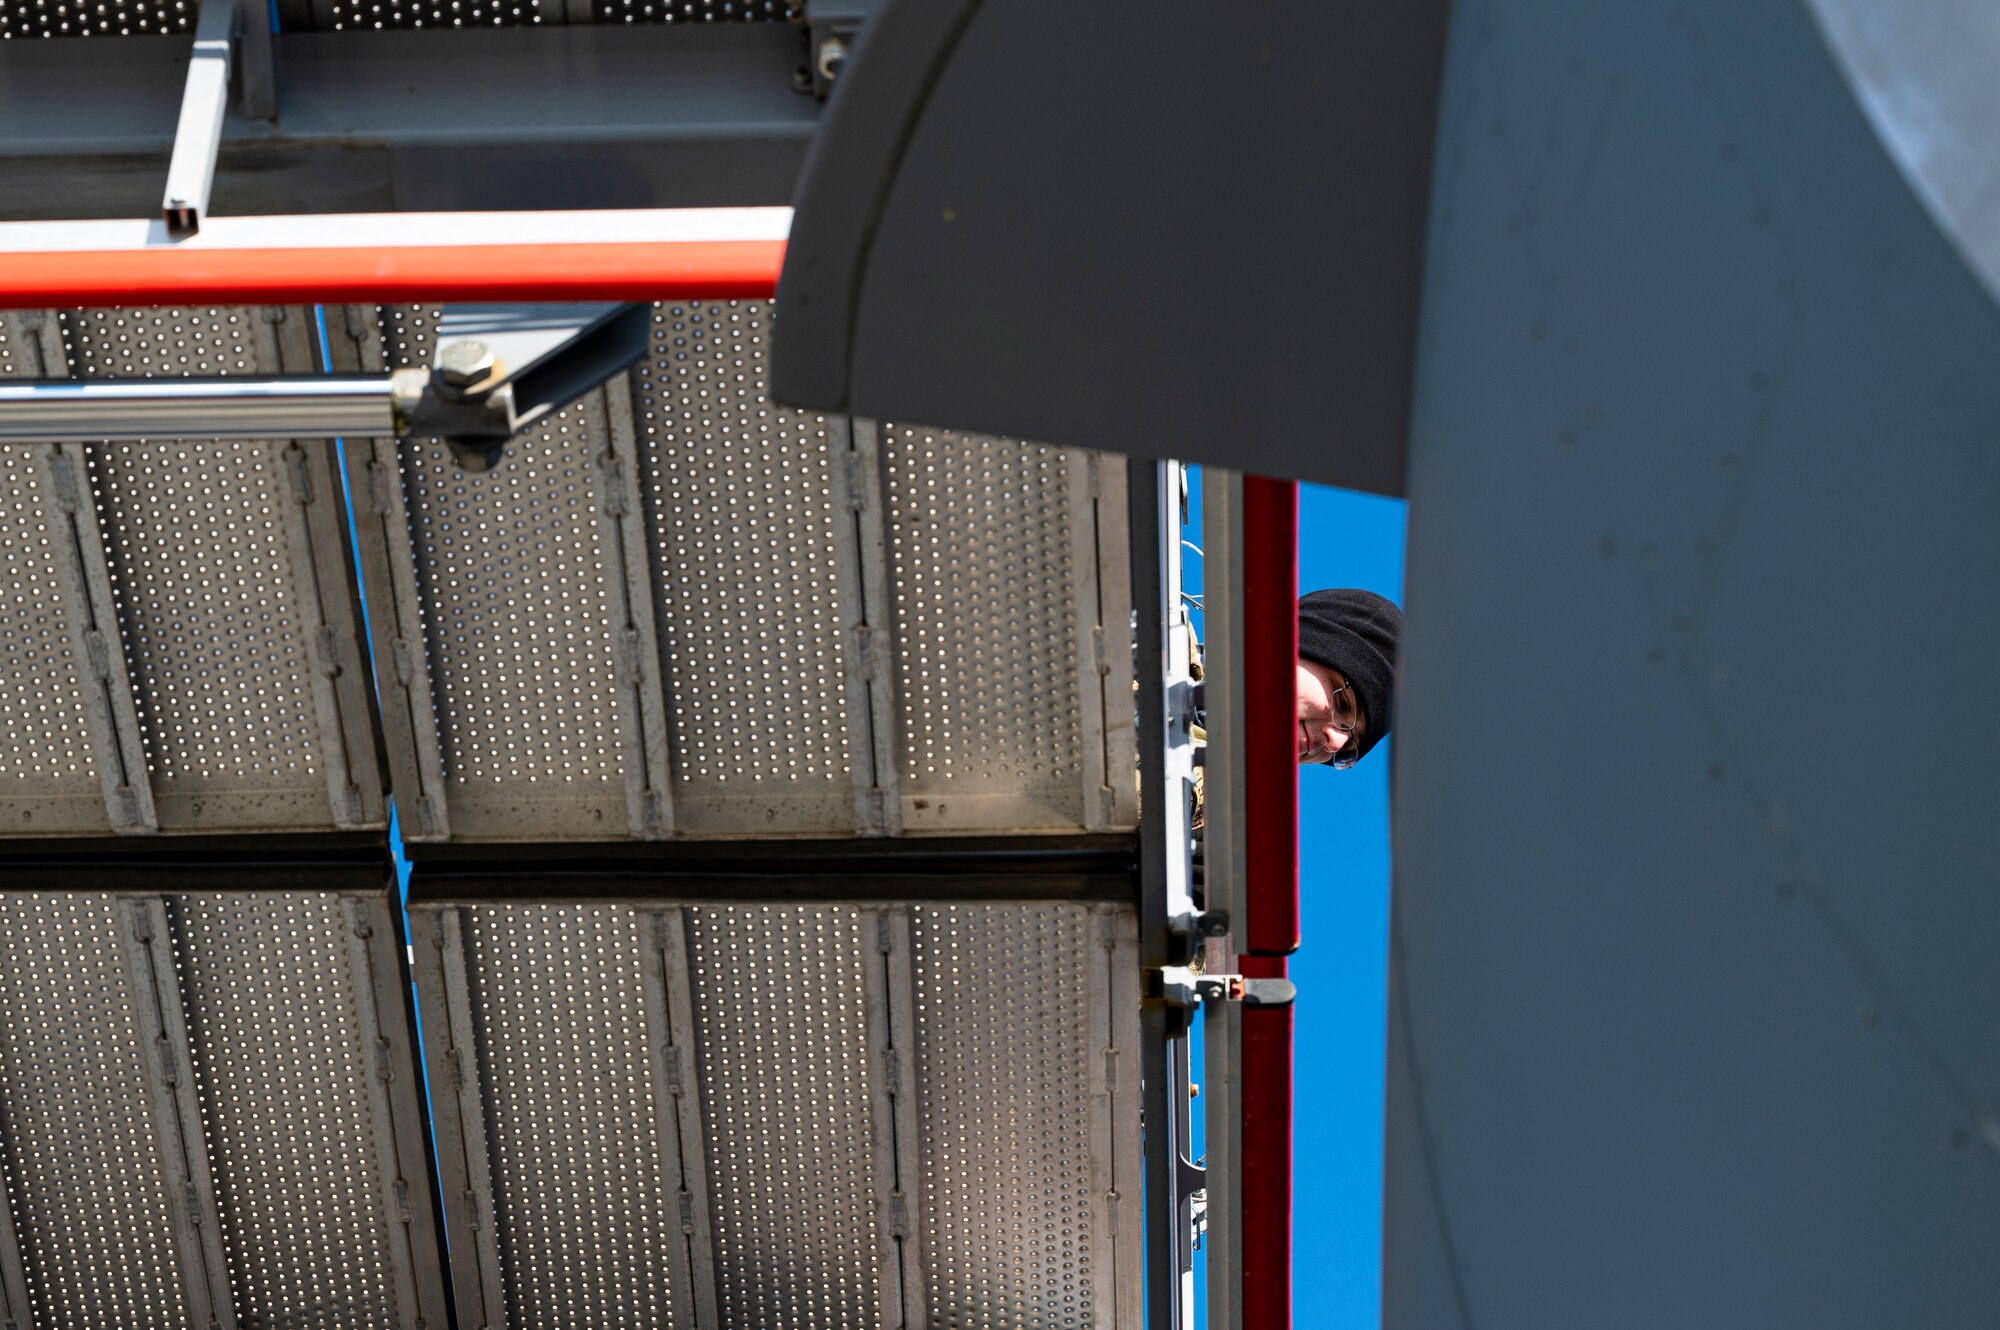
<point>1345,540</point>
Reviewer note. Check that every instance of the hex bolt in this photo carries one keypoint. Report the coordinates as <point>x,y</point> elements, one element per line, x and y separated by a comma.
<point>463,364</point>
<point>832,56</point>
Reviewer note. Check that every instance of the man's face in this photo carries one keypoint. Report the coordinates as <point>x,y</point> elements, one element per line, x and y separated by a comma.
<point>1330,717</point>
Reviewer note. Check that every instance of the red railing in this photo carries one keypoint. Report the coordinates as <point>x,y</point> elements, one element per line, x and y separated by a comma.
<point>697,254</point>
<point>1271,932</point>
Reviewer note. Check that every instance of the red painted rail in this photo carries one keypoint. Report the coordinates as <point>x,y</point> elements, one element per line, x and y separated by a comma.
<point>665,254</point>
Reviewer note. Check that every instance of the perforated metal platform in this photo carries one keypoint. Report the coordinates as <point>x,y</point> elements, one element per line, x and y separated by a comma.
<point>677,610</point>
<point>209,1112</point>
<point>820,1115</point>
<point>185,617</point>
<point>81,18</point>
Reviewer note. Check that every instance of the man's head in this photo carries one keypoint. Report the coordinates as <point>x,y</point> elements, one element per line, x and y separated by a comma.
<point>1347,674</point>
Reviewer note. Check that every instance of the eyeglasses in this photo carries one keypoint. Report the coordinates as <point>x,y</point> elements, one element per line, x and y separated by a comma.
<point>1346,715</point>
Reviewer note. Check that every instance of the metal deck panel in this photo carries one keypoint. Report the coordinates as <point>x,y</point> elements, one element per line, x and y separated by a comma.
<point>1003,629</point>
<point>48,770</point>
<point>982,563</point>
<point>209,581</point>
<point>291,1091</point>
<point>83,1175</point>
<point>742,541</point>
<point>512,579</point>
<point>1016,1095</point>
<point>1013,1053</point>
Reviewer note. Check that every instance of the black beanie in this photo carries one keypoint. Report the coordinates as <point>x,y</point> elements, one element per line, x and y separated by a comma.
<point>1355,632</point>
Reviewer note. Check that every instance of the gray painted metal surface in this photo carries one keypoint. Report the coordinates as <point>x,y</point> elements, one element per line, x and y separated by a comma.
<point>900,1115</point>
<point>1246,260</point>
<point>1694,974</point>
<point>210,1111</point>
<point>675,610</point>
<point>214,662</point>
<point>586,116</point>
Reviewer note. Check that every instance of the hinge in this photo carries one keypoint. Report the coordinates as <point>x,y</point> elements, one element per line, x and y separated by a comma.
<point>384,1070</point>
<point>99,652</point>
<point>676,1072</point>
<point>403,1200</point>
<point>869,645</point>
<point>627,654</point>
<point>128,805</point>
<point>687,1211</point>
<point>140,920</point>
<point>1093,475</point>
<point>614,489</point>
<point>426,815</point>
<point>471,1208</point>
<point>899,1215</point>
<point>875,808</point>
<point>885,934</point>
<point>1111,1213</point>
<point>857,480</point>
<point>295,470</point>
<point>272,313</point>
<point>1098,650</point>
<point>652,812</point>
<point>65,477</point>
<point>357,320</point>
<point>192,1202</point>
<point>329,651</point>
<point>892,1070</point>
<point>378,489</point>
<point>400,661</point>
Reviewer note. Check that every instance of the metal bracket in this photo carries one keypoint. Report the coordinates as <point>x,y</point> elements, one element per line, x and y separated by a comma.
<point>832,26</point>
<point>1179,986</point>
<point>475,399</point>
<point>204,103</point>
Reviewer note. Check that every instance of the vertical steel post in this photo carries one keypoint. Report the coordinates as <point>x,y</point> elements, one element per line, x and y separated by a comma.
<point>204,103</point>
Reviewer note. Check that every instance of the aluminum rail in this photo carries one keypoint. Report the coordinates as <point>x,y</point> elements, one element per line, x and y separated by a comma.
<point>245,408</point>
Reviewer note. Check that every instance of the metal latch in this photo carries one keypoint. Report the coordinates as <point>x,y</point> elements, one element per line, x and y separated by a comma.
<point>1183,987</point>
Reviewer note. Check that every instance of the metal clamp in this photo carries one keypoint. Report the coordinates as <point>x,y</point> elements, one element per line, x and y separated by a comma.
<point>1179,986</point>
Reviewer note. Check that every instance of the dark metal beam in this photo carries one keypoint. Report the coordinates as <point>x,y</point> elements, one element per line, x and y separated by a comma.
<point>440,120</point>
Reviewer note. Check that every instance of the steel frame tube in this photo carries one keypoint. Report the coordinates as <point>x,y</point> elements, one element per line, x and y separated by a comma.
<point>204,105</point>
<point>43,411</point>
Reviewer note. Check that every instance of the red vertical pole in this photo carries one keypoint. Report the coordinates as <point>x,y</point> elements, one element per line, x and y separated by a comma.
<point>1267,1157</point>
<point>1270,699</point>
<point>1271,932</point>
